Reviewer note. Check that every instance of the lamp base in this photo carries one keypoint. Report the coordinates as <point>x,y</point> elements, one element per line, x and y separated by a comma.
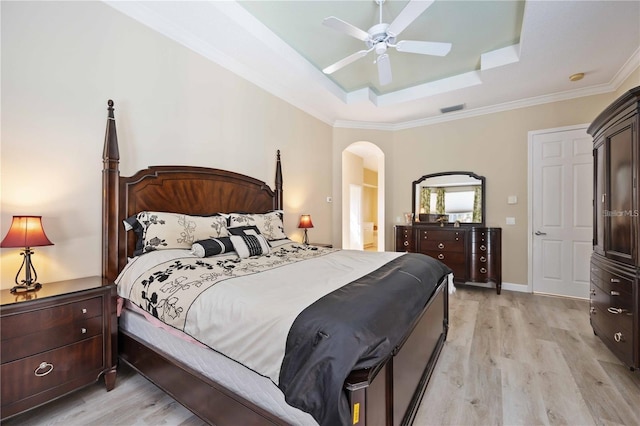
<point>21,288</point>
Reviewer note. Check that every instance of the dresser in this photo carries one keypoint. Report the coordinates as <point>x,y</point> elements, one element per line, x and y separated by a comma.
<point>473,253</point>
<point>56,340</point>
<point>615,261</point>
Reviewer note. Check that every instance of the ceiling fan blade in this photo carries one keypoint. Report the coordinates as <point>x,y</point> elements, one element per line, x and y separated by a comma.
<point>384,69</point>
<point>345,61</point>
<point>345,27</point>
<point>424,47</point>
<point>410,12</point>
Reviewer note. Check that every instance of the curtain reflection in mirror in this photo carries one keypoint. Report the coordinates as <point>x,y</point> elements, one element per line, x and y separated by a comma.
<point>477,204</point>
<point>440,201</point>
<point>425,200</point>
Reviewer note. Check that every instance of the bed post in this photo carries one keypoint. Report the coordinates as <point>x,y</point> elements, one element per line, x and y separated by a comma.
<point>110,177</point>
<point>278,199</point>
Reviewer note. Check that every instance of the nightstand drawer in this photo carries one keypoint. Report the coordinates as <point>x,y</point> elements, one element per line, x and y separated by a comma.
<point>39,320</point>
<point>52,338</point>
<point>38,373</point>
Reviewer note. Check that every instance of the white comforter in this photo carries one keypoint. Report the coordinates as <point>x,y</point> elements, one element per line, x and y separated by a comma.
<point>241,313</point>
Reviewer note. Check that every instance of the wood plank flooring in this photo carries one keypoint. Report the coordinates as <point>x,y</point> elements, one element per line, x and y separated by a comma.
<point>509,359</point>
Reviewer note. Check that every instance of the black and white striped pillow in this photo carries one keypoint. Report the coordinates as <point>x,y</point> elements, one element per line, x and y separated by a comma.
<point>250,245</point>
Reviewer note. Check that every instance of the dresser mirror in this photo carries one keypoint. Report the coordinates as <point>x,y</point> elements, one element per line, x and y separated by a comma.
<point>449,198</point>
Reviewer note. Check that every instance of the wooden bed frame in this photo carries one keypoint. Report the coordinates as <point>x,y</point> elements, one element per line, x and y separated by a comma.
<point>388,394</point>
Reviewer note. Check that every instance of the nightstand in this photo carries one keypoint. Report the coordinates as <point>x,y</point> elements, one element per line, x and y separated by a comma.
<point>56,340</point>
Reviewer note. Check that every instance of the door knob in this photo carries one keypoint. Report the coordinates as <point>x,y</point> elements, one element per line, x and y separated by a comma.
<point>540,233</point>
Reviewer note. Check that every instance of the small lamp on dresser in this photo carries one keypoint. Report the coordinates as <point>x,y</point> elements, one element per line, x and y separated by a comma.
<point>26,232</point>
<point>305,223</point>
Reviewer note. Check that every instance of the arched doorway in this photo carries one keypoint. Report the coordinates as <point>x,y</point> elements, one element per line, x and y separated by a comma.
<point>363,197</point>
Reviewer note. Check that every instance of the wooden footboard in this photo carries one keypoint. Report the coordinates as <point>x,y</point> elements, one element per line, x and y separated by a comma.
<point>391,393</point>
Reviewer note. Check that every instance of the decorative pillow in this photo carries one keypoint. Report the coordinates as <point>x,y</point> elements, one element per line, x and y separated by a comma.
<point>162,230</point>
<point>270,224</point>
<point>212,246</point>
<point>244,230</point>
<point>250,245</point>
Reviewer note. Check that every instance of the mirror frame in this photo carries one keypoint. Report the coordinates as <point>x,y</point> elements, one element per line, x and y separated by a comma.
<point>432,175</point>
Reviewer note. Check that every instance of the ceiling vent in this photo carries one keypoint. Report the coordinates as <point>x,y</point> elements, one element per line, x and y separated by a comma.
<point>451,108</point>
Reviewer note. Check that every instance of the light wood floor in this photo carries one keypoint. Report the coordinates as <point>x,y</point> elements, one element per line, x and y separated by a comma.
<point>513,359</point>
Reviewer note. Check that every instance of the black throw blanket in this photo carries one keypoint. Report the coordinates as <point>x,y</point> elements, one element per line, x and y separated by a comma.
<point>354,327</point>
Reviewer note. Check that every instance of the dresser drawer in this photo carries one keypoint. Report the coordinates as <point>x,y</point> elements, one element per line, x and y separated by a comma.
<point>480,247</point>
<point>614,333</point>
<point>610,282</point>
<point>455,261</point>
<point>404,239</point>
<point>48,370</point>
<point>441,235</point>
<point>40,320</point>
<point>445,246</point>
<point>617,306</point>
<point>45,340</point>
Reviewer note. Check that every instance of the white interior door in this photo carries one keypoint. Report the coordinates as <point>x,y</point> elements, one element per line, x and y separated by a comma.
<point>562,212</point>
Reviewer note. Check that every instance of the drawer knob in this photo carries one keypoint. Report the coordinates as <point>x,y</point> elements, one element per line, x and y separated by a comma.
<point>84,310</point>
<point>43,369</point>
<point>441,256</point>
<point>614,311</point>
<point>618,337</point>
<point>440,245</point>
<point>83,330</point>
<point>406,243</point>
<point>483,270</point>
<point>483,247</point>
<point>483,259</point>
<point>615,293</point>
<point>615,280</point>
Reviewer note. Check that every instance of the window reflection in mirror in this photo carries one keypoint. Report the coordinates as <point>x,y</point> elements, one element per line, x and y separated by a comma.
<point>449,197</point>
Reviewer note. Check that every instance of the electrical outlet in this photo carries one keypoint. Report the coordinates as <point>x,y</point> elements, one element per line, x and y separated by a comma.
<point>329,199</point>
<point>511,221</point>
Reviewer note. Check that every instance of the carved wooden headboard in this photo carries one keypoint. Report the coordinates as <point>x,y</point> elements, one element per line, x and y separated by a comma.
<point>180,189</point>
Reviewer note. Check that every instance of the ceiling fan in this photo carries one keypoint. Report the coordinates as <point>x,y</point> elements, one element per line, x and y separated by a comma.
<point>382,36</point>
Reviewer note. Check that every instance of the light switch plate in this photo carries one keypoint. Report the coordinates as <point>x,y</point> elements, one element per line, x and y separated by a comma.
<point>511,221</point>
<point>512,199</point>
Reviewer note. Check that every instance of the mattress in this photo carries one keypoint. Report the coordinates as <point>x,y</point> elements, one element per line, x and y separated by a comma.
<point>228,373</point>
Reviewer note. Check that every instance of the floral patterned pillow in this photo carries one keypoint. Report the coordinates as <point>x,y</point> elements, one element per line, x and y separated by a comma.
<point>269,224</point>
<point>162,230</point>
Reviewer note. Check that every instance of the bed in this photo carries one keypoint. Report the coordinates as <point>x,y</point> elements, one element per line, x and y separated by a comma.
<point>383,386</point>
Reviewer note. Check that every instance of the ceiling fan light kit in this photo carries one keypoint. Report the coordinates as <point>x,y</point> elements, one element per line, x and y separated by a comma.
<point>382,36</point>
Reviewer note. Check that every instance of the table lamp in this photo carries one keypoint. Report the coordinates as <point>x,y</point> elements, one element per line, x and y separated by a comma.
<point>305,223</point>
<point>27,232</point>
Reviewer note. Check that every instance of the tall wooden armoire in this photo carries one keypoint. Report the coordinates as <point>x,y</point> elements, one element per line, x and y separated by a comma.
<point>615,262</point>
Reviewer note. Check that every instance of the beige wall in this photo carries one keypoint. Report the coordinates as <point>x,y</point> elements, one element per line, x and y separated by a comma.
<point>61,61</point>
